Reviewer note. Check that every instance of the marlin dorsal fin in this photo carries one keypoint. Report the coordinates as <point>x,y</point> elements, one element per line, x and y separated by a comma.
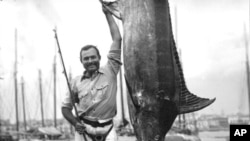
<point>188,102</point>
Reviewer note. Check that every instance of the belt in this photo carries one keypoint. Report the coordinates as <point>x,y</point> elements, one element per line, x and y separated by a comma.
<point>96,123</point>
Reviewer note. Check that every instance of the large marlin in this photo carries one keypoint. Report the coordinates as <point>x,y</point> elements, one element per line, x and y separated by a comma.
<point>153,73</point>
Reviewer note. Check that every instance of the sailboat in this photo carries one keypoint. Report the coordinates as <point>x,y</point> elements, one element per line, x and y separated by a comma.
<point>45,131</point>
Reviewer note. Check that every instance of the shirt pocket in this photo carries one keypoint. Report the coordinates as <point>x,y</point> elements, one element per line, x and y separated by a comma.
<point>100,92</point>
<point>85,100</point>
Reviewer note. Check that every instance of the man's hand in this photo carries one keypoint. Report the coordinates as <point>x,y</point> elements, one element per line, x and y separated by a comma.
<point>104,9</point>
<point>80,128</point>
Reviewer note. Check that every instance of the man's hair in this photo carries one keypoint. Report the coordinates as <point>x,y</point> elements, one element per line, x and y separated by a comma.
<point>87,47</point>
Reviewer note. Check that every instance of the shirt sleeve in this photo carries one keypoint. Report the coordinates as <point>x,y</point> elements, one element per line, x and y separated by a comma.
<point>67,99</point>
<point>114,60</point>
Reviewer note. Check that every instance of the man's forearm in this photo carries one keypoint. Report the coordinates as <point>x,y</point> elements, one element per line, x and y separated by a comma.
<point>114,30</point>
<point>67,113</point>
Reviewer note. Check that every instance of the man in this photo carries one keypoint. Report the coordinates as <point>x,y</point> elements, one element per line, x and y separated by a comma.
<point>95,91</point>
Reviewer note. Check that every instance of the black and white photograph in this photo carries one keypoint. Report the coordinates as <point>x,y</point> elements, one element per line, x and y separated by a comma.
<point>124,70</point>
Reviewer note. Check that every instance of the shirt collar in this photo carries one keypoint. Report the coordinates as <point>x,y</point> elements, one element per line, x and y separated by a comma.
<point>84,76</point>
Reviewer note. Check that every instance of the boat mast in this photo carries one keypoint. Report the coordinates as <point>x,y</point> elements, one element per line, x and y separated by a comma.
<point>15,82</point>
<point>247,66</point>
<point>24,113</point>
<point>54,75</point>
<point>54,70</point>
<point>41,96</point>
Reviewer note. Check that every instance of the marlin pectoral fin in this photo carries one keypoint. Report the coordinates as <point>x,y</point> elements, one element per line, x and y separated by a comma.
<point>112,7</point>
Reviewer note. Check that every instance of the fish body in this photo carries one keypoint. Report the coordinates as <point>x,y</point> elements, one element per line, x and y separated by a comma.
<point>153,73</point>
<point>149,68</point>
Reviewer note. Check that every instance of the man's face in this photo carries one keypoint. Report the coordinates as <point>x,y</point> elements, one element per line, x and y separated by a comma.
<point>90,60</point>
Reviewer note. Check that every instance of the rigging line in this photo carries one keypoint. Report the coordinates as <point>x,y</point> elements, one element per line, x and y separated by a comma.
<point>59,89</point>
<point>11,113</point>
<point>243,86</point>
<point>7,113</point>
<point>12,105</point>
<point>27,105</point>
<point>37,101</point>
<point>47,105</point>
<point>5,100</point>
<point>10,91</point>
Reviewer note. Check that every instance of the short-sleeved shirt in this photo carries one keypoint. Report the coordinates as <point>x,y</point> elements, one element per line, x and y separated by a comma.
<point>97,96</point>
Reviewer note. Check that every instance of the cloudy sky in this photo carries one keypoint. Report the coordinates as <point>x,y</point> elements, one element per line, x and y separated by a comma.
<point>210,34</point>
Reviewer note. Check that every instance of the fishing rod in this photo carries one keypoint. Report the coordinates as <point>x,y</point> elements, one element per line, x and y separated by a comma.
<point>65,74</point>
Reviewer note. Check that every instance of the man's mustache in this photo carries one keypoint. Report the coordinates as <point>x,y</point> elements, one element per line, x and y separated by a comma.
<point>92,63</point>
